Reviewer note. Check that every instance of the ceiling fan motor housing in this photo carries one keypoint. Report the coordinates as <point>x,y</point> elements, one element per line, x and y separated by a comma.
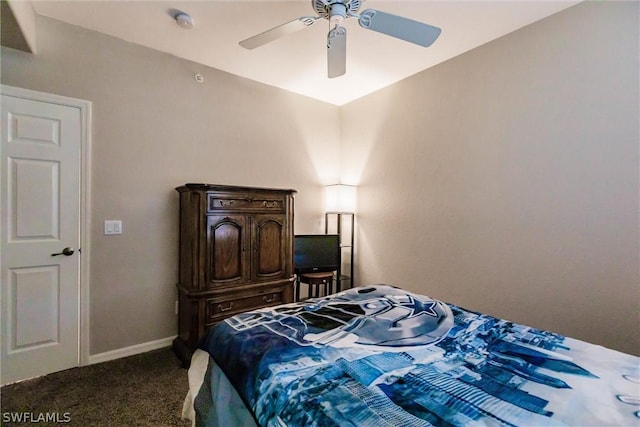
<point>344,8</point>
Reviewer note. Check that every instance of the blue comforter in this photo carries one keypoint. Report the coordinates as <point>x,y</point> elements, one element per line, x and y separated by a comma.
<point>382,356</point>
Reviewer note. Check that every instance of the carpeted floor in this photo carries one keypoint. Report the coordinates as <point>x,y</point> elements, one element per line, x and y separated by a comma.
<point>142,390</point>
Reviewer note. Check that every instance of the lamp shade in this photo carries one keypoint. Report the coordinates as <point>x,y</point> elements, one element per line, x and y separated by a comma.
<point>341,198</point>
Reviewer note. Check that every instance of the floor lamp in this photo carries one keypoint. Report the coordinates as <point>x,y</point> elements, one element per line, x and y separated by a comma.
<point>340,211</point>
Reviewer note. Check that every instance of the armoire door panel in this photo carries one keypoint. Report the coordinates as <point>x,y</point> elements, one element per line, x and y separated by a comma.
<point>269,257</point>
<point>226,257</point>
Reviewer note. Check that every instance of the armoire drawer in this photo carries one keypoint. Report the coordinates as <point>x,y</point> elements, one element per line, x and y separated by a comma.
<point>231,202</point>
<point>218,310</point>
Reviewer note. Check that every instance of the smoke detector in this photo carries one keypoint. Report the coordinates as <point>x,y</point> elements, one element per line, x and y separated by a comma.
<point>184,20</point>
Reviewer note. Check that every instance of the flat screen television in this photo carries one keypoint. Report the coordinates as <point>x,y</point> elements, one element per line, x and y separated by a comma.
<point>316,253</point>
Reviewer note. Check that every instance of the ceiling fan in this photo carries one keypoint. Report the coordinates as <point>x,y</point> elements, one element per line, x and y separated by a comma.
<point>336,11</point>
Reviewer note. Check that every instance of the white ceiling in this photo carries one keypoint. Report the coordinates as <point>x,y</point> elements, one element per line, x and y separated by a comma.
<point>297,62</point>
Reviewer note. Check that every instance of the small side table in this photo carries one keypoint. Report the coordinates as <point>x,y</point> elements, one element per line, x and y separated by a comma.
<point>315,281</point>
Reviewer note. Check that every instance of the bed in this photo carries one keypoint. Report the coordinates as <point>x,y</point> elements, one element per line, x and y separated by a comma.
<point>382,356</point>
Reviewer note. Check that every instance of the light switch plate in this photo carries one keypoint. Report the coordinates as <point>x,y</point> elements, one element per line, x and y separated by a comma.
<point>112,227</point>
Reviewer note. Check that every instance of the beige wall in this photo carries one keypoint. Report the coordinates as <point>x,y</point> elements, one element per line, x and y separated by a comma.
<point>154,128</point>
<point>506,180</point>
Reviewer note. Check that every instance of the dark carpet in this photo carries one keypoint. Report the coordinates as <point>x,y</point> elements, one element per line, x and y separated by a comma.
<point>142,390</point>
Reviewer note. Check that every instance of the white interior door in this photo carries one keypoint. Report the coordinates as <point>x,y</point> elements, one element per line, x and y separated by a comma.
<point>40,206</point>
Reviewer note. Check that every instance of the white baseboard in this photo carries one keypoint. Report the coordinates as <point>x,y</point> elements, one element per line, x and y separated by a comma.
<point>130,351</point>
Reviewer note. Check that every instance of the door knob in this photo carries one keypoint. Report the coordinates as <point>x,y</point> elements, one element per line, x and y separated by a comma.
<point>66,252</point>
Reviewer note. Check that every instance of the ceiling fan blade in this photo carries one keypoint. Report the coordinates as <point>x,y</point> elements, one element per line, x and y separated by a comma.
<point>277,32</point>
<point>399,27</point>
<point>337,52</point>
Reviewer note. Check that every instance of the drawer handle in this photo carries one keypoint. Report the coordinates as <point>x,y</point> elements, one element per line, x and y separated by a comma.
<point>269,298</point>
<point>227,308</point>
<point>268,204</point>
<point>226,203</point>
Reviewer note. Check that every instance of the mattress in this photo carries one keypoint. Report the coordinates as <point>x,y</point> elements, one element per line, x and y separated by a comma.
<point>211,399</point>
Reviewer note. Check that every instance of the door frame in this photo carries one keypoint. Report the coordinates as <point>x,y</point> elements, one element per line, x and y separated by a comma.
<point>85,202</point>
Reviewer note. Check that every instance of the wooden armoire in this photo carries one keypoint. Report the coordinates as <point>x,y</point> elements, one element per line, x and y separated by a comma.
<point>236,254</point>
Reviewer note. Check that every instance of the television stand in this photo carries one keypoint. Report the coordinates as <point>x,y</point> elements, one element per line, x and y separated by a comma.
<point>315,281</point>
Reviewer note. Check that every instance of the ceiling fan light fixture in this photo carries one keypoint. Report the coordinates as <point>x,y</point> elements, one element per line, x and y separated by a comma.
<point>337,14</point>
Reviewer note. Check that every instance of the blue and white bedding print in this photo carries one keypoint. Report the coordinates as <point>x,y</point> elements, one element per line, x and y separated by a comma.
<point>383,356</point>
